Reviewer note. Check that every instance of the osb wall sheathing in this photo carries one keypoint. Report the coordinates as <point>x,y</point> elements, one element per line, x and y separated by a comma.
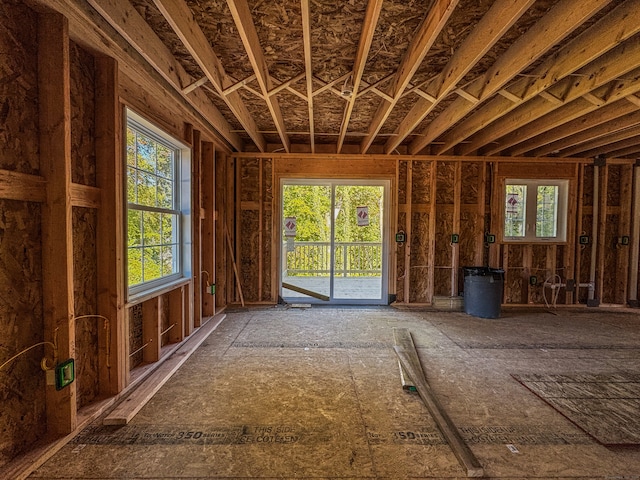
<point>420,240</point>
<point>255,229</point>
<point>85,303</point>
<point>136,340</point>
<point>85,270</point>
<point>82,76</point>
<point>267,222</point>
<point>222,250</point>
<point>166,321</point>
<point>616,258</point>
<point>401,227</point>
<point>585,227</point>
<point>445,200</point>
<point>249,239</point>
<point>18,88</point>
<point>22,383</point>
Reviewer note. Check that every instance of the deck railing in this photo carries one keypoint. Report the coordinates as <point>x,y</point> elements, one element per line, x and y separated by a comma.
<point>352,259</point>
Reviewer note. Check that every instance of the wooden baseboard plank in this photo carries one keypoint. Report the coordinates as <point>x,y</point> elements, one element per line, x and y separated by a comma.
<point>130,406</point>
<point>411,363</point>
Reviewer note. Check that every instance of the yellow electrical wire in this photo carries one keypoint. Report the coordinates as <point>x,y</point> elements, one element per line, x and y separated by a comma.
<point>43,363</point>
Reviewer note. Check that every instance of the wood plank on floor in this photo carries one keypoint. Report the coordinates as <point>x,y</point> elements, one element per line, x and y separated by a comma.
<point>411,363</point>
<point>127,409</point>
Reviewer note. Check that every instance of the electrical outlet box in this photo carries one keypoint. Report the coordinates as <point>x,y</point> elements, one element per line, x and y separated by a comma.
<point>65,374</point>
<point>490,238</point>
<point>624,240</point>
<point>571,285</point>
<point>584,239</point>
<point>455,238</point>
<point>401,237</point>
<point>212,289</point>
<point>533,280</point>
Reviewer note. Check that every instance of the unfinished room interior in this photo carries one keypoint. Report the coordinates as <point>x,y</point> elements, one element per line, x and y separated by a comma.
<point>319,239</point>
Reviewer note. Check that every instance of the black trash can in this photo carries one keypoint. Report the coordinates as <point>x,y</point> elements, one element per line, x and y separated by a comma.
<point>483,291</point>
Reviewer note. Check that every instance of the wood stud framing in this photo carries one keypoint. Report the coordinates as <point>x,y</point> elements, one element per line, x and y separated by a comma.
<point>57,235</point>
<point>540,115</point>
<point>110,235</point>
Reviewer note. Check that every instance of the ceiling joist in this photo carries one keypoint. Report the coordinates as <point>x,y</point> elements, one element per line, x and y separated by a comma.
<point>424,38</point>
<point>177,13</point>
<point>502,15</point>
<point>585,48</point>
<point>366,37</point>
<point>247,30</point>
<point>508,77</point>
<point>562,19</point>
<point>611,118</point>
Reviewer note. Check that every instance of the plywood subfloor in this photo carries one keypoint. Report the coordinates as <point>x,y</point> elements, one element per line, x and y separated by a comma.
<point>606,406</point>
<point>315,394</point>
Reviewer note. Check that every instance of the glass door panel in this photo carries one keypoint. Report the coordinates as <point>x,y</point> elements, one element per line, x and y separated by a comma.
<point>333,243</point>
<point>358,242</point>
<point>306,242</point>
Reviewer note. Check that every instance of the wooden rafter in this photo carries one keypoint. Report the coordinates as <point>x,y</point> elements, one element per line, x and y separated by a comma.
<point>247,30</point>
<point>549,116</point>
<point>500,17</point>
<point>177,13</point>
<point>424,38</point>
<point>629,152</point>
<point>579,52</point>
<point>612,117</point>
<point>308,67</point>
<point>126,20</point>
<point>609,143</point>
<point>559,22</point>
<point>607,68</point>
<point>628,139</point>
<point>366,37</point>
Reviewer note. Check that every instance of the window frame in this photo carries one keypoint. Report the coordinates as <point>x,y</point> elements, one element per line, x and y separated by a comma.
<point>181,205</point>
<point>531,222</point>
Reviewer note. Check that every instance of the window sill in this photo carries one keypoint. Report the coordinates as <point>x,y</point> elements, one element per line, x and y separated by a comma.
<point>156,292</point>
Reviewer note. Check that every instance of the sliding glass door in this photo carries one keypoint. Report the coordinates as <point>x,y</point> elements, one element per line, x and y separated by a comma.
<point>333,242</point>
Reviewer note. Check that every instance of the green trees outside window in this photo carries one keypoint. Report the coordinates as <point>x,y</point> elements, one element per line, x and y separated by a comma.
<point>535,210</point>
<point>153,214</point>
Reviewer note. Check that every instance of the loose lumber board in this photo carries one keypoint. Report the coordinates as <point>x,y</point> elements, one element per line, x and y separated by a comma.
<point>304,291</point>
<point>129,407</point>
<point>411,363</point>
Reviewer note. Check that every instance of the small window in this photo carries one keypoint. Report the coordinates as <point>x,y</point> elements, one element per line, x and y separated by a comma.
<point>535,210</point>
<point>154,208</point>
